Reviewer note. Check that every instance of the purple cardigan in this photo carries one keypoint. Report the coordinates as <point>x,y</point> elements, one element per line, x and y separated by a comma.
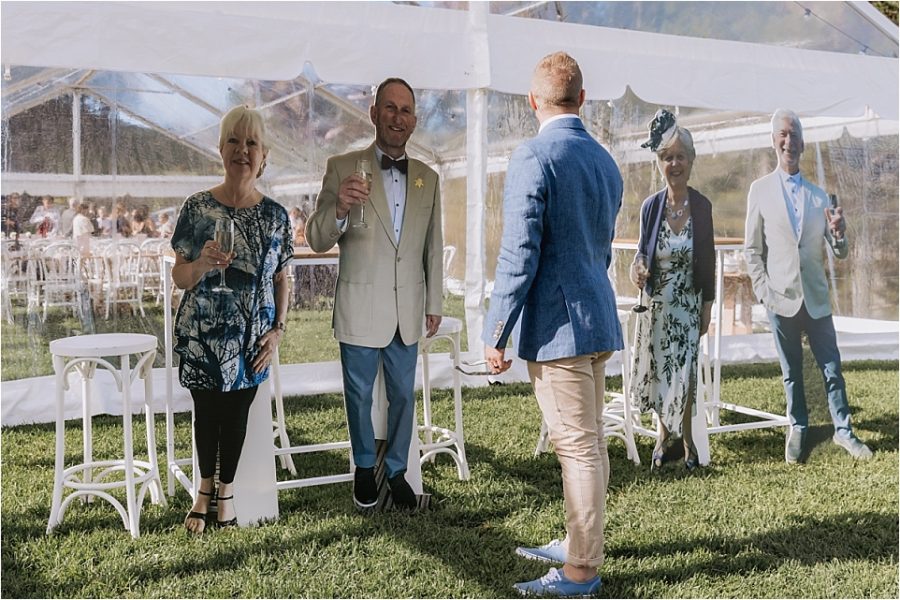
<point>652,215</point>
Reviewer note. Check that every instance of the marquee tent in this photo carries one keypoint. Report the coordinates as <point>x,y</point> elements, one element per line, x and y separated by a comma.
<point>173,68</point>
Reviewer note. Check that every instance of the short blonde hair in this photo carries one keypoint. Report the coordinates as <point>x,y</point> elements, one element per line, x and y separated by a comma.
<point>253,121</point>
<point>686,139</point>
<point>557,81</point>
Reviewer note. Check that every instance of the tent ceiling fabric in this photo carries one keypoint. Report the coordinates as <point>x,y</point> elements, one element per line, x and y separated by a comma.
<point>347,42</point>
<point>684,71</point>
<point>436,48</point>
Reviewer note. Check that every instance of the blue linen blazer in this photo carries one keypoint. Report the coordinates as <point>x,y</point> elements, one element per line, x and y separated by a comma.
<point>562,195</point>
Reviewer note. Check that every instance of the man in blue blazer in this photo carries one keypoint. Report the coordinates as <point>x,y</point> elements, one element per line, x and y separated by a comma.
<point>789,222</point>
<point>563,193</point>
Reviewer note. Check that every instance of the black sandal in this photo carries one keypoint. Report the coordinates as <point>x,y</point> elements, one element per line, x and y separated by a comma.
<point>198,515</point>
<point>230,522</point>
<point>658,458</point>
<point>691,460</point>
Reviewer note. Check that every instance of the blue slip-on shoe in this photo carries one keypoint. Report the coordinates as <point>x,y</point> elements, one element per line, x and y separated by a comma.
<point>853,445</point>
<point>555,584</point>
<point>550,552</point>
<point>793,445</point>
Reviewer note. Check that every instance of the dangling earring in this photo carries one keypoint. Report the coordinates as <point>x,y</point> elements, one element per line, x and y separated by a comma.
<point>262,168</point>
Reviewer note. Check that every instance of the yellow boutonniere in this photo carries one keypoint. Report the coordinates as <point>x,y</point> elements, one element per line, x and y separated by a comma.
<point>419,183</point>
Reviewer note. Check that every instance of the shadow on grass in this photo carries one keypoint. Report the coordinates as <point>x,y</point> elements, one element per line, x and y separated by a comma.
<point>810,540</point>
<point>458,538</point>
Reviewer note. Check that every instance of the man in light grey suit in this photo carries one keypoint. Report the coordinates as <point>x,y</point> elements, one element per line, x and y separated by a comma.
<point>563,193</point>
<point>390,281</point>
<point>789,222</point>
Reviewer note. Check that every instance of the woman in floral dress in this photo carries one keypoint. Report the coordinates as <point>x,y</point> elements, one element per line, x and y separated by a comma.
<point>226,339</point>
<point>675,270</point>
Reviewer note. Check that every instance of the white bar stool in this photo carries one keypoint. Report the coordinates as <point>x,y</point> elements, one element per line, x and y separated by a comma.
<point>284,450</point>
<point>450,441</point>
<point>279,429</point>
<point>619,416</point>
<point>83,354</point>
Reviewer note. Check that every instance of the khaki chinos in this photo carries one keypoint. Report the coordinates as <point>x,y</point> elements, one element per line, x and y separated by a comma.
<point>570,393</point>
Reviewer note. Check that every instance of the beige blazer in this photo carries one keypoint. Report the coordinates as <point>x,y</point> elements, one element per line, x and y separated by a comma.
<point>786,271</point>
<point>382,285</point>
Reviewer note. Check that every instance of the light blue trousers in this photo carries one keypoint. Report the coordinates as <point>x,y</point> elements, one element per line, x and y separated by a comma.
<point>359,365</point>
<point>823,343</point>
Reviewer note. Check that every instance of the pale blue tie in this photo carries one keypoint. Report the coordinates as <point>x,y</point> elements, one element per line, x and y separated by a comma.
<point>795,189</point>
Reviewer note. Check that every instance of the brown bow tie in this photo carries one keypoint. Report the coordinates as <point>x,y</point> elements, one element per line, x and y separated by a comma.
<point>401,165</point>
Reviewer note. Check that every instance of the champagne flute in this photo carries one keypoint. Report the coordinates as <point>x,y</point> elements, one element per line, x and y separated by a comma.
<point>224,236</point>
<point>364,170</point>
<point>641,270</point>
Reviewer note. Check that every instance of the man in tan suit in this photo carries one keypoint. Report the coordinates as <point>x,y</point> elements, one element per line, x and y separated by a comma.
<point>390,280</point>
<point>789,223</point>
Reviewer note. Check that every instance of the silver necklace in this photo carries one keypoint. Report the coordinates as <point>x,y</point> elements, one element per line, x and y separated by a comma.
<point>676,214</point>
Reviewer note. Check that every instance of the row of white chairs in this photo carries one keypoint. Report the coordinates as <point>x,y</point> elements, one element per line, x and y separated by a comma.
<point>65,274</point>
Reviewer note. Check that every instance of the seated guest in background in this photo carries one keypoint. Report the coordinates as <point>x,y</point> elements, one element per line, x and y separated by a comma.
<point>165,228</point>
<point>299,226</point>
<point>104,223</point>
<point>45,217</point>
<point>121,220</point>
<point>293,215</point>
<point>675,268</point>
<point>11,219</point>
<point>67,217</point>
<point>142,225</point>
<point>790,221</point>
<point>226,351</point>
<point>82,229</point>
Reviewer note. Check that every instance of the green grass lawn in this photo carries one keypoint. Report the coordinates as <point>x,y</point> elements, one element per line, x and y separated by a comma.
<point>747,526</point>
<point>25,342</point>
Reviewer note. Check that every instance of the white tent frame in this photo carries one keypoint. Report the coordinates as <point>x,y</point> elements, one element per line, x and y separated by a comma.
<point>444,49</point>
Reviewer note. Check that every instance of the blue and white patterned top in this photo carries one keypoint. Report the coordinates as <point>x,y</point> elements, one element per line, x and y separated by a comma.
<point>216,333</point>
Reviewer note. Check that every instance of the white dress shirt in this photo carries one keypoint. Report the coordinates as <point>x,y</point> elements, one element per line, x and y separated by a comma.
<point>795,198</point>
<point>394,191</point>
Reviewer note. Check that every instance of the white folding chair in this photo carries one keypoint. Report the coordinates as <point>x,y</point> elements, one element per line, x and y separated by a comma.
<point>149,274</point>
<point>449,253</point>
<point>284,450</point>
<point>63,283</point>
<point>123,283</point>
<point>14,274</point>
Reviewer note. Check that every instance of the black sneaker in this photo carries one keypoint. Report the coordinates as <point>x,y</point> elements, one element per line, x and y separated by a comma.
<point>402,494</point>
<point>365,490</point>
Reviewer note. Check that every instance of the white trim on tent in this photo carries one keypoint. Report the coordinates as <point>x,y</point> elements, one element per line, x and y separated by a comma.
<point>364,42</point>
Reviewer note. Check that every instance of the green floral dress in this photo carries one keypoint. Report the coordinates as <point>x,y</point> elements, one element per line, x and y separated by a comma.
<point>668,335</point>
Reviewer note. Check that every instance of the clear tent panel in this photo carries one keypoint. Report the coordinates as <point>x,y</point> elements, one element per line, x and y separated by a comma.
<point>39,139</point>
<point>830,26</point>
<point>146,97</point>
<point>152,139</point>
<point>116,143</point>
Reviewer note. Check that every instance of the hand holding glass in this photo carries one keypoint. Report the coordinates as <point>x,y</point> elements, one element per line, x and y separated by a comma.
<point>224,237</point>
<point>642,272</point>
<point>364,170</point>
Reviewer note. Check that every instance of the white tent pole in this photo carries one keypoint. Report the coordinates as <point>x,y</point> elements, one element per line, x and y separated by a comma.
<point>476,183</point>
<point>76,142</point>
<point>476,194</point>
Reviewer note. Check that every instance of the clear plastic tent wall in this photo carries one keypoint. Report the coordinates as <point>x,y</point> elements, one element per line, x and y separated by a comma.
<point>151,138</point>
